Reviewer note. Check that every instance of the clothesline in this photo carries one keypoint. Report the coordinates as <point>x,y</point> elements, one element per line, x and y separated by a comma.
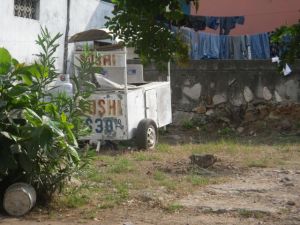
<point>225,24</point>
<point>204,45</point>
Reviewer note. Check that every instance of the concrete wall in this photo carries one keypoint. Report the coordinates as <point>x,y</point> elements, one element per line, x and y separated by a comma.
<point>247,97</point>
<point>213,82</point>
<point>18,34</point>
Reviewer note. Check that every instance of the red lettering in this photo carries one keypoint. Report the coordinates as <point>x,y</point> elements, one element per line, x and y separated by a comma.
<point>119,108</point>
<point>114,63</point>
<point>93,107</point>
<point>107,60</point>
<point>101,104</point>
<point>112,107</point>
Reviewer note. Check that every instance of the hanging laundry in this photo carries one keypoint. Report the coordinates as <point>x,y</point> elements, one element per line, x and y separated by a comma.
<point>248,42</point>
<point>203,45</point>
<point>197,22</point>
<point>276,59</point>
<point>224,47</point>
<point>229,23</point>
<point>194,46</point>
<point>287,70</point>
<point>240,20</point>
<point>185,35</point>
<point>173,29</point>
<point>185,7</point>
<point>190,37</point>
<point>200,23</point>
<point>260,46</point>
<point>209,46</point>
<point>238,47</point>
<point>213,22</point>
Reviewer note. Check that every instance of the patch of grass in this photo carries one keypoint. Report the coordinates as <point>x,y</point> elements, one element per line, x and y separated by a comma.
<point>259,163</point>
<point>164,180</point>
<point>198,180</point>
<point>106,205</point>
<point>252,214</point>
<point>119,194</point>
<point>171,185</point>
<point>173,208</point>
<point>111,180</point>
<point>90,214</point>
<point>145,156</point>
<point>164,148</point>
<point>121,166</point>
<point>226,131</point>
<point>159,176</point>
<point>75,200</point>
<point>122,191</point>
<point>96,175</point>
<point>187,124</point>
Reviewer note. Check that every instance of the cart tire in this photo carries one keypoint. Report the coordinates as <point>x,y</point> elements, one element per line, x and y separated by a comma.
<point>146,134</point>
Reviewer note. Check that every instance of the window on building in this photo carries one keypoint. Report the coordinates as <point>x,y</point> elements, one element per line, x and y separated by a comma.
<point>27,8</point>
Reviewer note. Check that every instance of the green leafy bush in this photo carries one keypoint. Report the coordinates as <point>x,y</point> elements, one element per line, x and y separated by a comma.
<point>37,141</point>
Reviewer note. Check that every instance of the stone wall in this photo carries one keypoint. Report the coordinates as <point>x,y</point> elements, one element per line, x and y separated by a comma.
<point>234,92</point>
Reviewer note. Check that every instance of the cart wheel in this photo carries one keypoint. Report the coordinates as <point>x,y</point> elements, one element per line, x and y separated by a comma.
<point>146,134</point>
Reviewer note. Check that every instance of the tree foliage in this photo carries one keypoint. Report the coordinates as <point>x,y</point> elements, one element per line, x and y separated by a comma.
<point>287,39</point>
<point>140,25</point>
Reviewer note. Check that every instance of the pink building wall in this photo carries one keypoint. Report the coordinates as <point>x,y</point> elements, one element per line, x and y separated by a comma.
<point>260,15</point>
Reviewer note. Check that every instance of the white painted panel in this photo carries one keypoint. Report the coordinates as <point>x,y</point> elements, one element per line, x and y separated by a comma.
<point>164,105</point>
<point>135,73</point>
<point>107,117</point>
<point>151,105</point>
<point>136,110</point>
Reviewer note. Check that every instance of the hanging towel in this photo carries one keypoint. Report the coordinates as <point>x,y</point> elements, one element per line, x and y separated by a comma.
<point>186,36</point>
<point>209,46</point>
<point>224,47</point>
<point>213,22</point>
<point>229,23</point>
<point>194,46</point>
<point>238,47</point>
<point>190,37</point>
<point>197,22</point>
<point>260,46</point>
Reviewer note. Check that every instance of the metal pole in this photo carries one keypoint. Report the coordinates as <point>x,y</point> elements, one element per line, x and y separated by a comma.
<point>169,71</point>
<point>125,72</point>
<point>66,44</point>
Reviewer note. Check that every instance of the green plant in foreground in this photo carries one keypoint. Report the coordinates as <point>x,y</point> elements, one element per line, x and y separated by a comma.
<point>37,143</point>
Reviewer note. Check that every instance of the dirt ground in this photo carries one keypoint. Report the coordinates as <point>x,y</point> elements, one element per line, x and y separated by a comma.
<point>253,195</point>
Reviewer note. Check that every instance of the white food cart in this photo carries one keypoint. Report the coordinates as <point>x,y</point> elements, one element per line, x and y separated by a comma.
<point>126,106</point>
